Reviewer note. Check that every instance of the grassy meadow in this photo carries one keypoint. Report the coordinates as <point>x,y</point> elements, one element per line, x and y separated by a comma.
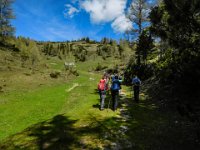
<point>39,112</point>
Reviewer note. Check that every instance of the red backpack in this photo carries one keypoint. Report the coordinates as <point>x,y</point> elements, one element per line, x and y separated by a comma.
<point>101,85</point>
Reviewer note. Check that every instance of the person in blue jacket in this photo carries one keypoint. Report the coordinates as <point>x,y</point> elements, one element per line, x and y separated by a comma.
<point>115,87</point>
<point>136,88</point>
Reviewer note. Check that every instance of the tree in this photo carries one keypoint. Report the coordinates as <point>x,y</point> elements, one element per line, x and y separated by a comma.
<point>123,46</point>
<point>34,52</point>
<point>177,22</point>
<point>87,40</point>
<point>6,13</point>
<point>138,14</point>
<point>28,50</point>
<point>80,53</point>
<point>145,44</point>
<point>105,40</point>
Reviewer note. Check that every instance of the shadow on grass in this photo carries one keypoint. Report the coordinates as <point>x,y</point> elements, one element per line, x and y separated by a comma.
<point>96,106</point>
<point>148,127</point>
<point>56,133</point>
<point>61,133</point>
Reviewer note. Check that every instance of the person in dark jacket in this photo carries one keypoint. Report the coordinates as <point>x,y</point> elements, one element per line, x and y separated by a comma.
<point>136,88</point>
<point>115,87</point>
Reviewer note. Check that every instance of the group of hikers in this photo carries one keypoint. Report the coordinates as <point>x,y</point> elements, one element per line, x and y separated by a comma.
<point>112,83</point>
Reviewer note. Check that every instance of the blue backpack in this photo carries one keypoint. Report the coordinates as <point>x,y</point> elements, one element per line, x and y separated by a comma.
<point>136,81</point>
<point>115,85</point>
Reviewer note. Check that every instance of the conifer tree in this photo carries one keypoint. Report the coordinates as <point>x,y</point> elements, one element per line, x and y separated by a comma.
<point>138,14</point>
<point>6,14</point>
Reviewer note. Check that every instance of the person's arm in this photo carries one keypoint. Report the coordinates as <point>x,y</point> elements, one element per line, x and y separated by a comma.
<point>140,81</point>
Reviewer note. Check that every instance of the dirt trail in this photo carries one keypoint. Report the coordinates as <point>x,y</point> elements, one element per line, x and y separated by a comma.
<point>73,87</point>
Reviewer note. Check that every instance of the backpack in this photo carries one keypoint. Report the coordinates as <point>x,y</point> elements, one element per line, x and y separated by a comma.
<point>115,85</point>
<point>136,81</point>
<point>101,85</point>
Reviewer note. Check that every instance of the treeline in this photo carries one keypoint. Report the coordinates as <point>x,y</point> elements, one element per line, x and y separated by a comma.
<point>177,24</point>
<point>32,52</point>
<point>79,49</point>
<point>27,49</point>
<point>168,49</point>
<point>110,48</point>
<point>168,36</point>
<point>173,39</point>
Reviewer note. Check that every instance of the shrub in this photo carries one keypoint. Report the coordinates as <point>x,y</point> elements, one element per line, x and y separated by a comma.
<point>74,72</point>
<point>55,74</point>
<point>100,67</point>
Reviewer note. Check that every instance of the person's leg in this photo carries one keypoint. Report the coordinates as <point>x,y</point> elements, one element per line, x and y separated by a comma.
<point>113,99</point>
<point>116,100</point>
<point>103,96</point>
<point>136,93</point>
<point>100,94</point>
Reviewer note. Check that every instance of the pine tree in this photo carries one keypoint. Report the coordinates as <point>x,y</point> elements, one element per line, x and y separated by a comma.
<point>6,14</point>
<point>145,44</point>
<point>138,14</point>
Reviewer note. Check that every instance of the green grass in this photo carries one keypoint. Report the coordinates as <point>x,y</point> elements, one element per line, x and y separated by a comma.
<point>21,112</point>
<point>65,115</point>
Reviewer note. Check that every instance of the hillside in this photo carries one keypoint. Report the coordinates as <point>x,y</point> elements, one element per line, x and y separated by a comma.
<point>46,106</point>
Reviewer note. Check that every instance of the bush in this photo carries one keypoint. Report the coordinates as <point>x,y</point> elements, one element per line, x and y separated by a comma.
<point>100,67</point>
<point>144,72</point>
<point>55,74</point>
<point>112,70</point>
<point>74,72</point>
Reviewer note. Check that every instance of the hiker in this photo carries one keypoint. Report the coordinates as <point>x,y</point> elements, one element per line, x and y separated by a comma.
<point>115,87</point>
<point>102,91</point>
<point>136,88</point>
<point>112,77</point>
